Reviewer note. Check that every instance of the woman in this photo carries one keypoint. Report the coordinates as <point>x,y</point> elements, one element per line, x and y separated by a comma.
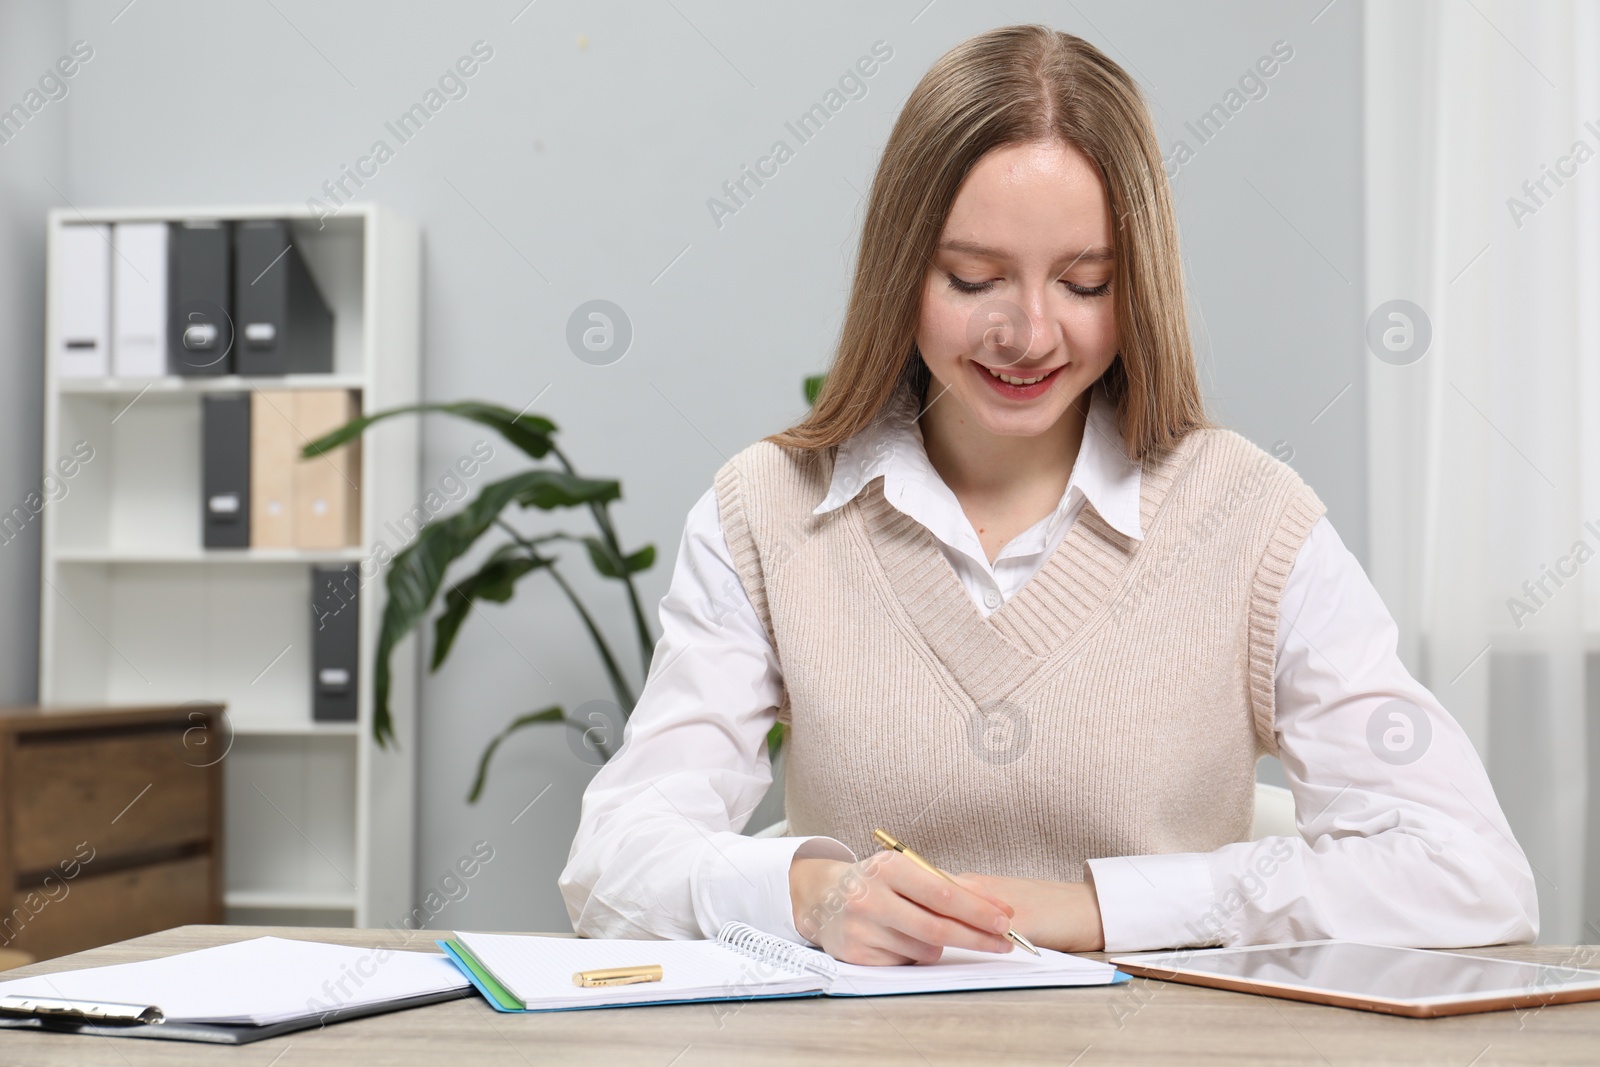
<point>1019,602</point>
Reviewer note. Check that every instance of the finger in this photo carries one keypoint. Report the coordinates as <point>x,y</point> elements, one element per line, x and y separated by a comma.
<point>868,956</point>
<point>867,941</point>
<point>909,949</point>
<point>930,928</point>
<point>979,887</point>
<point>950,899</point>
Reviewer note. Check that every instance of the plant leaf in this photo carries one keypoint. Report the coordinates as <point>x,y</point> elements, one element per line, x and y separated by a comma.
<point>813,387</point>
<point>550,714</point>
<point>606,562</point>
<point>413,577</point>
<point>495,580</point>
<point>417,571</point>
<point>558,489</point>
<point>774,739</point>
<point>530,433</point>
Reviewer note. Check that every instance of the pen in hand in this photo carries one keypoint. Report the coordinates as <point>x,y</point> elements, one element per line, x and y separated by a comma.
<point>884,838</point>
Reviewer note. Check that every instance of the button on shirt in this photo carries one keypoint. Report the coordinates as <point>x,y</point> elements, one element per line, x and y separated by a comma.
<point>1415,854</point>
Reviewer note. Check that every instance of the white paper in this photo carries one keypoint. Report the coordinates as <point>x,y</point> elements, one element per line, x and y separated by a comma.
<point>960,968</point>
<point>261,981</point>
<point>538,970</point>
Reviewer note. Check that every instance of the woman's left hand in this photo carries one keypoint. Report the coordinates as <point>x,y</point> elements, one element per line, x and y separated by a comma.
<point>1064,916</point>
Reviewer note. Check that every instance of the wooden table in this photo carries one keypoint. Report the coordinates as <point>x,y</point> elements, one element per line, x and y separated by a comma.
<point>1141,1021</point>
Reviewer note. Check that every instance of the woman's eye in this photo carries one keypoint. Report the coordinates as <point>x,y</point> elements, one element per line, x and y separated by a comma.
<point>961,286</point>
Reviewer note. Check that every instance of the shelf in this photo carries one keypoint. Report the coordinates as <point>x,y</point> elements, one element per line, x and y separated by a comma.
<point>350,215</point>
<point>226,383</point>
<point>297,729</point>
<point>222,555</point>
<point>288,899</point>
<point>135,608</point>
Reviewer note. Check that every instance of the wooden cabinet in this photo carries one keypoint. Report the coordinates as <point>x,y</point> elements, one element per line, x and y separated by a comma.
<point>110,823</point>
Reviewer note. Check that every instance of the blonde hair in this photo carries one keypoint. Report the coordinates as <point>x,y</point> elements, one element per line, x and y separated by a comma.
<point>1015,85</point>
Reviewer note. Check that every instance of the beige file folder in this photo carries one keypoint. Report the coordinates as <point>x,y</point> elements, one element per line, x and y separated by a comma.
<point>295,502</point>
<point>327,498</point>
<point>273,444</point>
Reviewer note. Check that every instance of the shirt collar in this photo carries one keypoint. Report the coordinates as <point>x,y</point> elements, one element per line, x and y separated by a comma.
<point>891,447</point>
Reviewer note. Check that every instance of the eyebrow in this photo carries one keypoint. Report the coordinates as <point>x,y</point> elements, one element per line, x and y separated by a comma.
<point>1097,254</point>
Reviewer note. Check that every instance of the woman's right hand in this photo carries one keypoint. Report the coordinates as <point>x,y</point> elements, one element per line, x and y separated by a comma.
<point>887,910</point>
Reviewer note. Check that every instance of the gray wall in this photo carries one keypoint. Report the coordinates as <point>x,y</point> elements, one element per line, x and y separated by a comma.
<point>578,166</point>
<point>32,37</point>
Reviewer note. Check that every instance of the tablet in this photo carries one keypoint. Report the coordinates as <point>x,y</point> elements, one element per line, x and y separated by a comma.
<point>1400,981</point>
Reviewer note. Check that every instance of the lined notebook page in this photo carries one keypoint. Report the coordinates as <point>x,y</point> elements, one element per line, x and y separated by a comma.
<point>960,968</point>
<point>538,970</point>
<point>956,968</point>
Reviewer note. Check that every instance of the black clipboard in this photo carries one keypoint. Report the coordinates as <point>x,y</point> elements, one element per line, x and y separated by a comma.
<point>140,1023</point>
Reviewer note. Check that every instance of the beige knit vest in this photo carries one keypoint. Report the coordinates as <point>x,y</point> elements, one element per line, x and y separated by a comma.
<point>1115,705</point>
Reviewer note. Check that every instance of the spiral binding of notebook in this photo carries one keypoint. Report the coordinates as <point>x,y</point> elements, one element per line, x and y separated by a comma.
<point>765,948</point>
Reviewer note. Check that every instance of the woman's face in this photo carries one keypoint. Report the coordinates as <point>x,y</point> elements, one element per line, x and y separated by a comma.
<point>1020,286</point>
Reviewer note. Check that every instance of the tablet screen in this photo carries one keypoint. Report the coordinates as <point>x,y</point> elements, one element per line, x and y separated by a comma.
<point>1361,970</point>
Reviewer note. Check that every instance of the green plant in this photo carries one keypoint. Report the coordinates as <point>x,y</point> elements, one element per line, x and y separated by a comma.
<point>813,387</point>
<point>417,573</point>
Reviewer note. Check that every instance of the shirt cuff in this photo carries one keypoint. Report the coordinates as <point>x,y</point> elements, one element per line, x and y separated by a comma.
<point>746,879</point>
<point>1154,902</point>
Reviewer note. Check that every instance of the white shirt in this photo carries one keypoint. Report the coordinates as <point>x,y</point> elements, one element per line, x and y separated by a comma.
<point>1414,853</point>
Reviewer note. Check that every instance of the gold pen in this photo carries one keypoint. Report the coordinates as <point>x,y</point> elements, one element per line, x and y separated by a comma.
<point>884,838</point>
<point>618,975</point>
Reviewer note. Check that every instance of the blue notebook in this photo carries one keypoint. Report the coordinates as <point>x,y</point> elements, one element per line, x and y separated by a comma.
<point>524,972</point>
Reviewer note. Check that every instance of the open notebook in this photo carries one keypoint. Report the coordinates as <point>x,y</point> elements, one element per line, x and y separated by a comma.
<point>522,972</point>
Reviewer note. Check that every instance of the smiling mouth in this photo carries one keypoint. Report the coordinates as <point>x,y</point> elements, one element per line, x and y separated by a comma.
<point>1013,380</point>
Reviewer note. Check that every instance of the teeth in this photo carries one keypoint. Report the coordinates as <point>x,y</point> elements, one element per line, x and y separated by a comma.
<point>1016,381</point>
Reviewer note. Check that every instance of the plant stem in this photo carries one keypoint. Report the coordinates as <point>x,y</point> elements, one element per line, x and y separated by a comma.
<point>602,519</point>
<point>624,694</point>
<point>618,683</point>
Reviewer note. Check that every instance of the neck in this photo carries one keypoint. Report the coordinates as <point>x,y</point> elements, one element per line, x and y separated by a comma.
<point>976,463</point>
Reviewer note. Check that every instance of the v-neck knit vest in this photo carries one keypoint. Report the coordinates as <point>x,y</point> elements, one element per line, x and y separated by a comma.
<point>1115,705</point>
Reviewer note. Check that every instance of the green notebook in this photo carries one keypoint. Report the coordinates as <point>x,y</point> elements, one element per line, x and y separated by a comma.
<point>493,991</point>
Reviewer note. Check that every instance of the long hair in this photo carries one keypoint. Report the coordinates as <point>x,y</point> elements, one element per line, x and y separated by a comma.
<point>1015,85</point>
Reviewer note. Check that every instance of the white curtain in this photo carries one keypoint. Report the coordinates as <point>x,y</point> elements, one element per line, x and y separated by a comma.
<point>1483,212</point>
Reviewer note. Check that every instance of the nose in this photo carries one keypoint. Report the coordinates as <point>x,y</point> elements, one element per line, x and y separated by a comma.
<point>1008,334</point>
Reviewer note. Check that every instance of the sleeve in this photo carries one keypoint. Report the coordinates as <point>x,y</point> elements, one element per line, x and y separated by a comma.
<point>1401,840</point>
<point>658,852</point>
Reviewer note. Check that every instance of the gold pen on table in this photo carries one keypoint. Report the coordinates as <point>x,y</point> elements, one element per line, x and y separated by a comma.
<point>884,838</point>
<point>618,975</point>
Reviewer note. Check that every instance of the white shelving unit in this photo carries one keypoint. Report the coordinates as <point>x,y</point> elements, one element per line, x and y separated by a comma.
<point>319,822</point>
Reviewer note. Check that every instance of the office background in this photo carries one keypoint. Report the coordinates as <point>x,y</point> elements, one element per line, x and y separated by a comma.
<point>578,163</point>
